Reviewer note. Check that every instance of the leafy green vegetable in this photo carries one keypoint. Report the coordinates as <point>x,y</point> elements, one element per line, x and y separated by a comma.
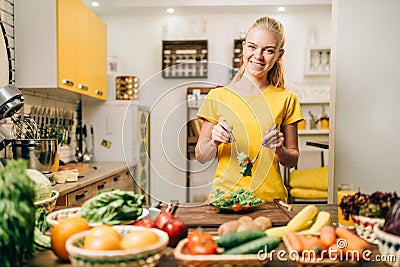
<point>227,200</point>
<point>246,164</point>
<point>17,196</point>
<point>112,207</point>
<point>42,184</point>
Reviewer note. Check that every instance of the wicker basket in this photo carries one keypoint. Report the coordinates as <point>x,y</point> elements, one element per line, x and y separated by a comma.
<point>188,260</point>
<point>148,256</point>
<point>365,227</point>
<point>54,217</point>
<point>48,203</point>
<point>389,245</point>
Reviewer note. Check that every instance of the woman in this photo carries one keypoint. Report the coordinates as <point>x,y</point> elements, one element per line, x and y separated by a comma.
<point>258,114</point>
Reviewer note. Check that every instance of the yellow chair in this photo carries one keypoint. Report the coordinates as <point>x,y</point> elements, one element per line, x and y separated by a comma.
<point>307,186</point>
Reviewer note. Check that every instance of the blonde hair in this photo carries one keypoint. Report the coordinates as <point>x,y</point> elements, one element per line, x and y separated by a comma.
<point>276,73</point>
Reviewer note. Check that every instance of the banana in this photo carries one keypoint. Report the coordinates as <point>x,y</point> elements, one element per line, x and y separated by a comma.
<point>299,221</point>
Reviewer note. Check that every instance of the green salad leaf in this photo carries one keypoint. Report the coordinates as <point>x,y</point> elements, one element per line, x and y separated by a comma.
<point>246,199</point>
<point>112,207</point>
<point>246,164</point>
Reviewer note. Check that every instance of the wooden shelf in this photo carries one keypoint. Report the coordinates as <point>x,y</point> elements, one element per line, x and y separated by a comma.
<point>314,101</point>
<point>237,55</point>
<point>313,131</point>
<point>185,59</point>
<point>318,61</point>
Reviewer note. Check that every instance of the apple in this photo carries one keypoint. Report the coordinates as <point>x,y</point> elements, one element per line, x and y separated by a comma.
<point>176,230</point>
<point>162,218</point>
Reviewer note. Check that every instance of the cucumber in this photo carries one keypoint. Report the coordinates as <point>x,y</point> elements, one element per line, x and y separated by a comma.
<point>234,239</point>
<point>265,243</point>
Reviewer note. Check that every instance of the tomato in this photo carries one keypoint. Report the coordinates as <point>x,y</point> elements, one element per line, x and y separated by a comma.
<point>201,244</point>
<point>247,206</point>
<point>237,207</point>
<point>145,222</point>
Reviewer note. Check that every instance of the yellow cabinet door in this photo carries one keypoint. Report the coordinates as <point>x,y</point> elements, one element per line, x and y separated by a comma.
<point>98,57</point>
<point>83,65</point>
<point>66,44</point>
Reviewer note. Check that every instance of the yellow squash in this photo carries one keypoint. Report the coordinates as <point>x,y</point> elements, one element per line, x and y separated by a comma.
<point>300,220</point>
<point>277,231</point>
<point>323,218</point>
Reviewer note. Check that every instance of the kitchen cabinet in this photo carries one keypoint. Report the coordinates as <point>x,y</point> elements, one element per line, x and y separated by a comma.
<point>122,180</point>
<point>63,44</point>
<point>94,178</point>
<point>98,57</point>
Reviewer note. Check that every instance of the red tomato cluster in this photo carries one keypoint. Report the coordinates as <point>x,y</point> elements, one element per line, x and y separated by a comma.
<point>239,207</point>
<point>175,228</point>
<point>201,244</point>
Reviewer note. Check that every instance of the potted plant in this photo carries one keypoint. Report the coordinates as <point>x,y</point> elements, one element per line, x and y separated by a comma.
<point>366,210</point>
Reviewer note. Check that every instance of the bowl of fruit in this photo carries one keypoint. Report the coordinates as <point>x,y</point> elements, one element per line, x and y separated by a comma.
<point>119,245</point>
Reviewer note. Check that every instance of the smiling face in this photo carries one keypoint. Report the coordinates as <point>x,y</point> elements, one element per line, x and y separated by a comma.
<point>260,51</point>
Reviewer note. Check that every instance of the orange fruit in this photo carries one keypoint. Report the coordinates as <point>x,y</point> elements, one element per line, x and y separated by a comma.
<point>63,230</point>
<point>106,242</point>
<point>103,230</point>
<point>139,239</point>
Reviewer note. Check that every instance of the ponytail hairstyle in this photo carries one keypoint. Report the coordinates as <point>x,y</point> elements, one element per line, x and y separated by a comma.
<point>276,74</point>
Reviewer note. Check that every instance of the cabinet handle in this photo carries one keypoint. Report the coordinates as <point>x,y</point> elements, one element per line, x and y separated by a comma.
<point>79,196</point>
<point>101,186</point>
<point>67,82</point>
<point>117,178</point>
<point>98,92</point>
<point>83,87</point>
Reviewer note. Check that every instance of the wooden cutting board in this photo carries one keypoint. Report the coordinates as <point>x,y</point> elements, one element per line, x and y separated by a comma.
<point>207,216</point>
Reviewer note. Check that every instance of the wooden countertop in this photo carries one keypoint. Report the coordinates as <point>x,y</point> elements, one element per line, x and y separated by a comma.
<point>47,258</point>
<point>95,172</point>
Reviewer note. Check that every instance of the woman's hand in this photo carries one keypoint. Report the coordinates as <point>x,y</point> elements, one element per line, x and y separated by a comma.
<point>221,132</point>
<point>273,139</point>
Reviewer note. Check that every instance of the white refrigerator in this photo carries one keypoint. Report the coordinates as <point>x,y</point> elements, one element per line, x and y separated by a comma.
<point>115,129</point>
<point>121,134</point>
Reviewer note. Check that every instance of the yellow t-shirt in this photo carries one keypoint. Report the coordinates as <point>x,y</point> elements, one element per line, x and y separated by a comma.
<point>250,117</point>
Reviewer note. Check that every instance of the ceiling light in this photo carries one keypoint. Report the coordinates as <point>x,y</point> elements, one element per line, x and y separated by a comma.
<point>281,8</point>
<point>95,3</point>
<point>170,10</point>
